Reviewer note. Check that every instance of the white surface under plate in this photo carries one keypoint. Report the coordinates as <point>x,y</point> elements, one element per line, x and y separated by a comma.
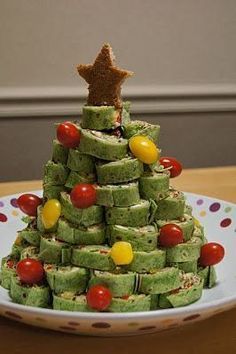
<point>219,220</point>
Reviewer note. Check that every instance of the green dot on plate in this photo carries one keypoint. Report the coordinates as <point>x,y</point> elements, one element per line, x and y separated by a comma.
<point>228,209</point>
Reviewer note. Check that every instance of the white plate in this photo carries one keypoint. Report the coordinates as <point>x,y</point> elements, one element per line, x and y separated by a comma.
<point>219,220</point>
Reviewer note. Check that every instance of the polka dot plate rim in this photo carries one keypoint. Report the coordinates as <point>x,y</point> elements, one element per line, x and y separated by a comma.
<point>211,212</point>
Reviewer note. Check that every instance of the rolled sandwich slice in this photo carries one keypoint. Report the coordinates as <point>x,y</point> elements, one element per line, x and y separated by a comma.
<point>184,252</point>
<point>30,295</point>
<point>189,291</point>
<point>187,267</point>
<point>118,195</point>
<point>52,192</point>
<point>208,274</point>
<point>139,127</point>
<point>122,171</point>
<point>54,251</point>
<point>104,117</point>
<point>30,252</point>
<point>31,235</point>
<point>141,238</point>
<point>186,223</point>
<point>67,278</point>
<point>59,152</point>
<point>80,217</point>
<point>74,178</point>
<point>100,117</point>
<point>147,262</point>
<point>120,284</point>
<point>55,173</point>
<point>81,235</point>
<point>81,163</point>
<point>8,269</point>
<point>94,257</point>
<point>102,145</point>
<point>154,185</point>
<point>162,281</point>
<point>135,215</point>
<point>171,207</point>
<point>72,302</point>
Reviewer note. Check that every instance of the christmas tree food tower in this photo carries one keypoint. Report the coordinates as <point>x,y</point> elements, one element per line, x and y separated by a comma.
<point>110,234</point>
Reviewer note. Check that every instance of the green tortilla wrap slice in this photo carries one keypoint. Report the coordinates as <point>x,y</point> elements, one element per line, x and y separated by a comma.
<point>118,195</point>
<point>189,292</point>
<point>102,145</point>
<point>122,171</point>
<point>135,215</point>
<point>81,235</point>
<point>141,238</point>
<point>67,278</point>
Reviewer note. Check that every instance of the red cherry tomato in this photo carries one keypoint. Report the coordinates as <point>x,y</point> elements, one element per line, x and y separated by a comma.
<point>211,254</point>
<point>176,167</point>
<point>98,297</point>
<point>83,195</point>
<point>30,271</point>
<point>170,235</point>
<point>28,203</point>
<point>68,135</point>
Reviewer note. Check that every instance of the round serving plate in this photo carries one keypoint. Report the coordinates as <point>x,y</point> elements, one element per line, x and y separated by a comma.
<point>219,220</point>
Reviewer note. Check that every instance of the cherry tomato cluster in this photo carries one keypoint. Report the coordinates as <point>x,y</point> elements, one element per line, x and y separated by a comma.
<point>83,195</point>
<point>68,135</point>
<point>174,165</point>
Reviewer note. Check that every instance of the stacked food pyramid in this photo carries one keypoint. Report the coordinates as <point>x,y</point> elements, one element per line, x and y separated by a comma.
<point>110,233</point>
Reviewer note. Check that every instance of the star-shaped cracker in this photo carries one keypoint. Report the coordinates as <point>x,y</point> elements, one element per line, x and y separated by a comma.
<point>104,79</point>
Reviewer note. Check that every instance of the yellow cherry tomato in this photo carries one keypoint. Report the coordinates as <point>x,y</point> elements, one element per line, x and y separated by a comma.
<point>144,149</point>
<point>51,213</point>
<point>122,253</point>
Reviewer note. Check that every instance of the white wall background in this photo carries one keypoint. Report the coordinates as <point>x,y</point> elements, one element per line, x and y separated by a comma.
<point>182,52</point>
<point>166,42</point>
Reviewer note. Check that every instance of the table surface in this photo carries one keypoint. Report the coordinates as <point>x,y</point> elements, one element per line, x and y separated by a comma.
<point>214,335</point>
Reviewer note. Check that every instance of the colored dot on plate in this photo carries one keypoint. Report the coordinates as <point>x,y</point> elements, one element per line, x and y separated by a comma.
<point>71,323</point>
<point>101,325</point>
<point>13,315</point>
<point>15,213</point>
<point>225,222</point>
<point>228,209</point>
<point>202,213</point>
<point>67,328</point>
<point>191,317</point>
<point>147,328</point>
<point>214,207</point>
<point>1,204</point>
<point>3,217</point>
<point>14,203</point>
<point>199,201</point>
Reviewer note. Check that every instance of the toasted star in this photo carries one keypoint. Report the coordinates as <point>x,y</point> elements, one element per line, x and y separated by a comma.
<point>104,79</point>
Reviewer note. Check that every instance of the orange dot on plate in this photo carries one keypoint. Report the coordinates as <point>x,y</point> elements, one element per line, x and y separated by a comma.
<point>15,213</point>
<point>202,213</point>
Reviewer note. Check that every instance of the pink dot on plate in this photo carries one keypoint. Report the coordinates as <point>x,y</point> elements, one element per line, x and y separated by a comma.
<point>14,203</point>
<point>199,201</point>
<point>214,207</point>
<point>225,222</point>
<point>1,204</point>
<point>3,217</point>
